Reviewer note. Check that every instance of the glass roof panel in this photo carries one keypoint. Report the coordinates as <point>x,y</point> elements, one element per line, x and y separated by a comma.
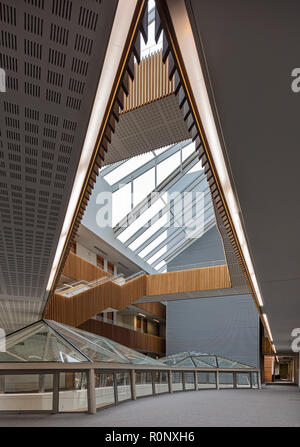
<point>201,360</point>
<point>39,343</point>
<point>102,349</point>
<point>125,168</point>
<point>186,362</point>
<point>226,363</point>
<point>210,359</point>
<point>200,364</point>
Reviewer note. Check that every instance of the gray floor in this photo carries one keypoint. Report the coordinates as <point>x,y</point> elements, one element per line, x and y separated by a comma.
<point>272,406</point>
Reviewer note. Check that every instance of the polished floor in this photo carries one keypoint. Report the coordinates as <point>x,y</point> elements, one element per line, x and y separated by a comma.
<point>273,406</point>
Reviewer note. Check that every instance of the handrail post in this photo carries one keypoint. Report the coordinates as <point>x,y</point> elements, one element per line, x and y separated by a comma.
<point>217,380</point>
<point>91,391</point>
<point>259,379</point>
<point>153,383</point>
<point>234,379</point>
<point>55,399</point>
<point>196,380</point>
<point>251,382</point>
<point>170,382</point>
<point>115,388</point>
<point>133,384</point>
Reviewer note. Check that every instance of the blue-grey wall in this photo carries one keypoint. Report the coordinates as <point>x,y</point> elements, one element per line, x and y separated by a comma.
<point>227,326</point>
<point>205,251</point>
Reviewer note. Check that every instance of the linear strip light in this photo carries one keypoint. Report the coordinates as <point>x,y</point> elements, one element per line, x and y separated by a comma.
<point>122,22</point>
<point>192,64</point>
<point>268,327</point>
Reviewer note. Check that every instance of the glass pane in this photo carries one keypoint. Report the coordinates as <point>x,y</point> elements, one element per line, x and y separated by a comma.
<point>177,384</point>
<point>226,363</point>
<point>161,382</point>
<point>105,394</point>
<point>226,379</point>
<point>200,364</point>
<point>26,392</point>
<point>99,348</point>
<point>143,381</point>
<point>210,359</point>
<point>73,391</point>
<point>189,380</point>
<point>243,380</point>
<point>206,380</point>
<point>123,386</point>
<point>186,362</point>
<point>95,347</point>
<point>254,380</point>
<point>39,343</point>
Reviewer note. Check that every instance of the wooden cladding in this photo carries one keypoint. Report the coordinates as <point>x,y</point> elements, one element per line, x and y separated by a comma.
<point>79,269</point>
<point>266,346</point>
<point>151,82</point>
<point>268,368</point>
<point>79,308</point>
<point>216,277</point>
<point>127,337</point>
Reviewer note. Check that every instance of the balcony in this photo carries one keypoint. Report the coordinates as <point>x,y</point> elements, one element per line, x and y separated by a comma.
<point>126,335</point>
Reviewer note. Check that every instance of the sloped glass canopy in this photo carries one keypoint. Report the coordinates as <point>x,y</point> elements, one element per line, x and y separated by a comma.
<point>200,360</point>
<point>49,341</point>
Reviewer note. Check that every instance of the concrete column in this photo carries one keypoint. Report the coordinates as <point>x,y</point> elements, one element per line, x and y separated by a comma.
<point>91,391</point>
<point>105,264</point>
<point>217,380</point>
<point>115,269</point>
<point>133,384</point>
<point>251,381</point>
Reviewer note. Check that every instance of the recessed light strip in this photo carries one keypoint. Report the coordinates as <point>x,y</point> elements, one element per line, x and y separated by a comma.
<point>122,22</point>
<point>189,53</point>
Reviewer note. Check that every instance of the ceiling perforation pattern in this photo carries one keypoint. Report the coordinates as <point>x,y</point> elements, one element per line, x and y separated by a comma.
<point>52,53</point>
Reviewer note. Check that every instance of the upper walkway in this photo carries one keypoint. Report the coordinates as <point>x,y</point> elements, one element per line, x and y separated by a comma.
<point>272,406</point>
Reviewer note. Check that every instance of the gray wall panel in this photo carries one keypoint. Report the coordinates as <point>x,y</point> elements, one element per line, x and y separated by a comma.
<point>227,326</point>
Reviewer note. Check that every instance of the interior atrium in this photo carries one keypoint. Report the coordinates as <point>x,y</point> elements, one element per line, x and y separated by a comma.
<point>148,225</point>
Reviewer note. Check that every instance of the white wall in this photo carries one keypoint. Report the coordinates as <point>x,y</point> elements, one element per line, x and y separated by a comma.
<point>86,254</point>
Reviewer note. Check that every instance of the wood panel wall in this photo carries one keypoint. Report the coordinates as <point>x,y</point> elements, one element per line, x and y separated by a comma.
<point>151,82</point>
<point>79,269</point>
<point>79,308</point>
<point>266,346</point>
<point>127,337</point>
<point>268,368</point>
<point>216,277</point>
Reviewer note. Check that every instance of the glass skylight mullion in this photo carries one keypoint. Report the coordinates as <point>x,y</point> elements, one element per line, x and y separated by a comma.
<point>166,209</point>
<point>137,250</point>
<point>149,164</point>
<point>153,196</point>
<point>173,251</point>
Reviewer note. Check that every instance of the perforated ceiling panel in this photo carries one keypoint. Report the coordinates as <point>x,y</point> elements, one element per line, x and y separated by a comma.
<point>52,52</point>
<point>149,127</point>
